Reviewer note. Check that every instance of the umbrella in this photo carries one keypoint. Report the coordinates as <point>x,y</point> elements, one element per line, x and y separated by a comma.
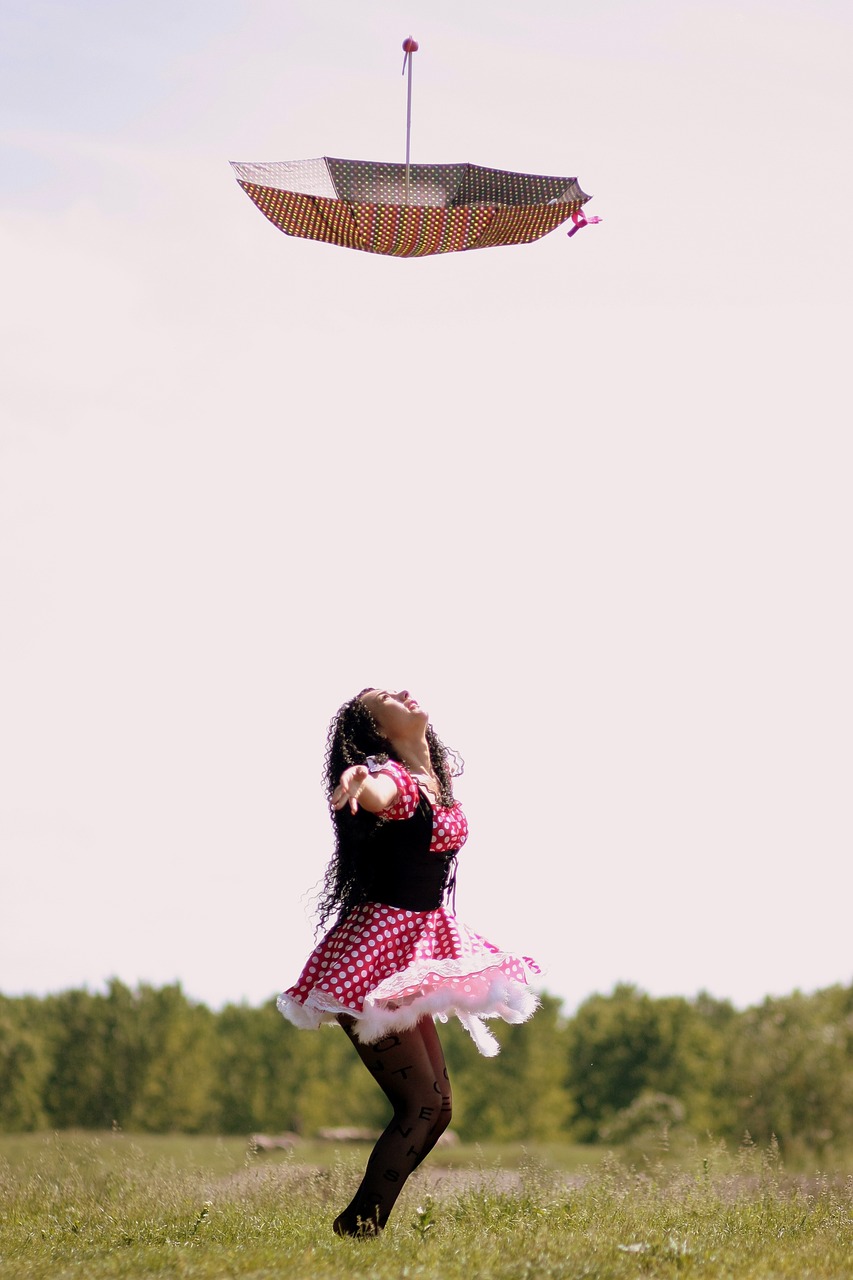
<point>360,204</point>
<point>410,210</point>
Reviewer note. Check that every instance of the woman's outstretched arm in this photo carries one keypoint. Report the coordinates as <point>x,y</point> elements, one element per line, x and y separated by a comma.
<point>358,786</point>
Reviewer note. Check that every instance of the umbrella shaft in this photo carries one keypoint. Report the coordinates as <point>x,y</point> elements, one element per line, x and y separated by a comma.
<point>408,124</point>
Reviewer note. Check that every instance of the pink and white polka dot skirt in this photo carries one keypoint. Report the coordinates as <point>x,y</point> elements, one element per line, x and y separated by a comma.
<point>387,968</point>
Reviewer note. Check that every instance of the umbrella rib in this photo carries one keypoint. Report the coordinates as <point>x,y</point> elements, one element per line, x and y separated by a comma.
<point>327,222</point>
<point>454,202</point>
<point>331,177</point>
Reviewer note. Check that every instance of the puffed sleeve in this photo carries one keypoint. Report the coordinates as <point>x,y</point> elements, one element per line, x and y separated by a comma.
<point>408,792</point>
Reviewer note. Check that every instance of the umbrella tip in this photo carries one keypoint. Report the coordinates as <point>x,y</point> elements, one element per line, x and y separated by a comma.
<point>410,45</point>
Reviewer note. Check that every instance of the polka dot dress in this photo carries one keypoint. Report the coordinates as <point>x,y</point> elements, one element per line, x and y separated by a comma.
<point>387,967</point>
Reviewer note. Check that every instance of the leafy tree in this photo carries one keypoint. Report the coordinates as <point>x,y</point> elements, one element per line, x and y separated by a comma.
<point>649,1115</point>
<point>251,1069</point>
<point>789,1065</point>
<point>78,1040</point>
<point>24,1065</point>
<point>177,1052</point>
<point>627,1044</point>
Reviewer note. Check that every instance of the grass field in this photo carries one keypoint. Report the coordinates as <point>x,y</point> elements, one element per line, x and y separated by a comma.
<point>76,1205</point>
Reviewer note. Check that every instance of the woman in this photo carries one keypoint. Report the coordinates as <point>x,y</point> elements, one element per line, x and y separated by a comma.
<point>397,957</point>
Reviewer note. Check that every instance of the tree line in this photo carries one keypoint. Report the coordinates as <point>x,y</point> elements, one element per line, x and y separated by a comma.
<point>623,1065</point>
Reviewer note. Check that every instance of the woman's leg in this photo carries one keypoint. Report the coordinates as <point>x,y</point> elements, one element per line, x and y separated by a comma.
<point>441,1086</point>
<point>409,1068</point>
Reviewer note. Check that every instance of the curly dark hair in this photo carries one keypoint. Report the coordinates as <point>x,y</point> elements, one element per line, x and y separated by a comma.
<point>354,736</point>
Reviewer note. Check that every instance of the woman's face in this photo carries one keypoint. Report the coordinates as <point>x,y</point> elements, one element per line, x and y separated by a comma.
<point>398,715</point>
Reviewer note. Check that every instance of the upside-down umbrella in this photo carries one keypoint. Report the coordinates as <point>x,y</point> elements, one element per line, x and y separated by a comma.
<point>410,210</point>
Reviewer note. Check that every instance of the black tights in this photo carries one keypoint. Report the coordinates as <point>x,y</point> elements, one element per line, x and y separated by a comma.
<point>409,1068</point>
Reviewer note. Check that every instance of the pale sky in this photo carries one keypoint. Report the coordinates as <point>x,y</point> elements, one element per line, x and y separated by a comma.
<point>589,499</point>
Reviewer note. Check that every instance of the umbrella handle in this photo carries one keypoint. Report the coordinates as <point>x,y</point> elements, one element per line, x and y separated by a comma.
<point>580,219</point>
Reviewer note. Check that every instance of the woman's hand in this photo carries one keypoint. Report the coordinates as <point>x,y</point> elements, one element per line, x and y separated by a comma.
<point>359,787</point>
<point>350,787</point>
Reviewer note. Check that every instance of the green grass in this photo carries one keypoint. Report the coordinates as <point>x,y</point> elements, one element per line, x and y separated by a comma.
<point>202,1208</point>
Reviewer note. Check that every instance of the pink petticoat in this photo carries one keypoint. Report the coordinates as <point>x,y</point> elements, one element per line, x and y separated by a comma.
<point>387,968</point>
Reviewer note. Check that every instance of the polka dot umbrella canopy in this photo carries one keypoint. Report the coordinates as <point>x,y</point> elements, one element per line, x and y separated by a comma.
<point>409,211</point>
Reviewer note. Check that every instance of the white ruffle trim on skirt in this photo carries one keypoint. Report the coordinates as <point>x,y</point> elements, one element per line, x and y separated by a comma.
<point>464,988</point>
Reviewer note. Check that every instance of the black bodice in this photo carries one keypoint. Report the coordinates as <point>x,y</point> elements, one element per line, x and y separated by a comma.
<point>398,869</point>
